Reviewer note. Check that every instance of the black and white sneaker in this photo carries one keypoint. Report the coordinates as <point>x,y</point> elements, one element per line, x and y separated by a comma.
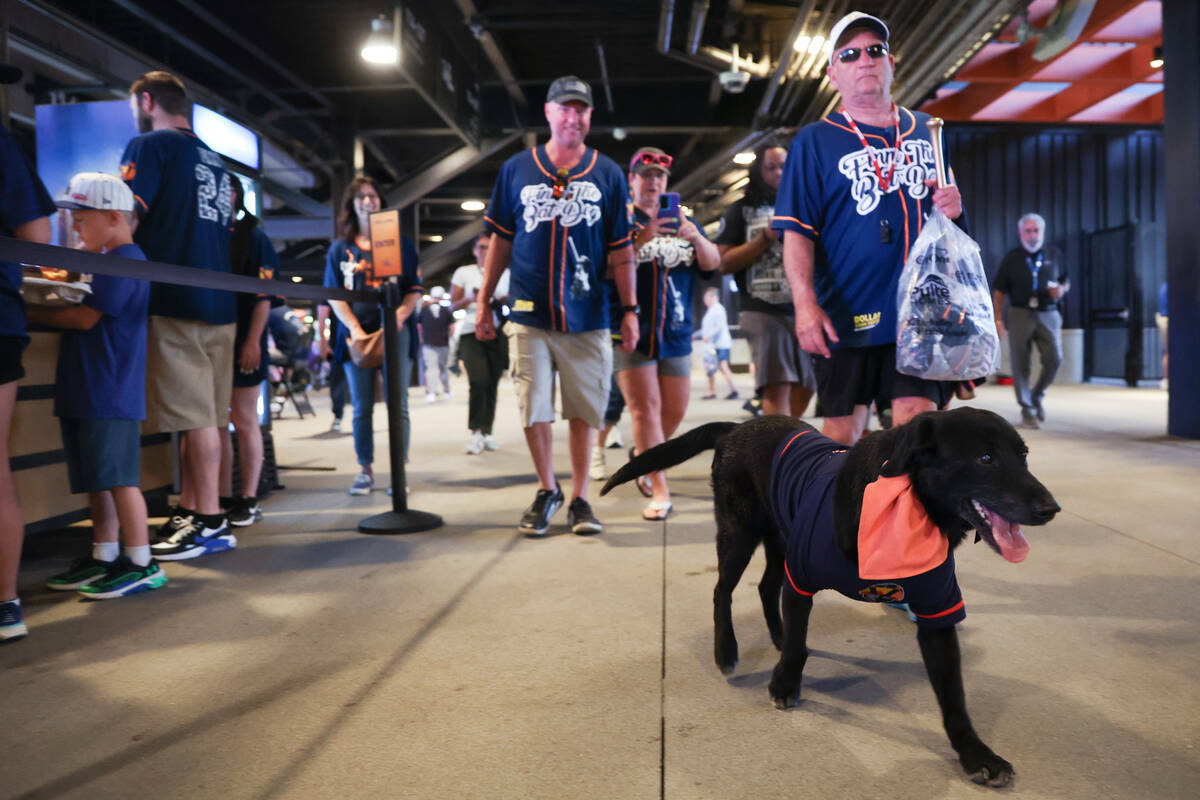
<point>176,519</point>
<point>193,540</point>
<point>245,511</point>
<point>581,520</point>
<point>536,519</point>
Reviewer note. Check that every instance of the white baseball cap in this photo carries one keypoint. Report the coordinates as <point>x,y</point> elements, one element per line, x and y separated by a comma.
<point>437,293</point>
<point>97,190</point>
<point>856,19</point>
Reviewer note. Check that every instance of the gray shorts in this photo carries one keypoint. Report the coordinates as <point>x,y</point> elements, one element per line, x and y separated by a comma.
<point>673,367</point>
<point>583,361</point>
<point>775,350</point>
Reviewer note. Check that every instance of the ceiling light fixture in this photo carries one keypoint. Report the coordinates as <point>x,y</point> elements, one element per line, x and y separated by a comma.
<point>473,205</point>
<point>744,159</point>
<point>382,46</point>
<point>1157,61</point>
<point>296,279</point>
<point>437,237</point>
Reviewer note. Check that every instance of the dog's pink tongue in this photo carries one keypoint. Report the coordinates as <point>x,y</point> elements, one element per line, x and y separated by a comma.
<point>1008,537</point>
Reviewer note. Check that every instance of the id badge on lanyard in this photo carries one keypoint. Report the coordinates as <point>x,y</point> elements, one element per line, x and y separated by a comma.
<point>1035,267</point>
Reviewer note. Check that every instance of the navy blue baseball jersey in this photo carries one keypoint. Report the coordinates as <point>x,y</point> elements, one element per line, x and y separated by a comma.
<point>862,226</point>
<point>348,266</point>
<point>259,261</point>
<point>803,477</point>
<point>562,225</point>
<point>185,202</point>
<point>666,278</point>
<point>23,199</point>
<point>102,371</point>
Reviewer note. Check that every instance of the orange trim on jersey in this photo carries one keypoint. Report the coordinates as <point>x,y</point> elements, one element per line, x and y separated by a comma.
<point>595,157</point>
<point>945,613</point>
<point>788,572</point>
<point>654,310</point>
<point>533,150</point>
<point>553,233</point>
<point>562,278</point>
<point>498,226</point>
<point>143,202</point>
<point>912,118</point>
<point>850,131</point>
<point>621,242</point>
<point>798,222</point>
<point>789,444</point>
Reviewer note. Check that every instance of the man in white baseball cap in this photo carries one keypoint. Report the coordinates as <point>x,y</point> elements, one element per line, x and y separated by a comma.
<point>851,22</point>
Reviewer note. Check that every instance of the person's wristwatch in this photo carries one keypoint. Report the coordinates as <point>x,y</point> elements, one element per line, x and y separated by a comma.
<point>636,309</point>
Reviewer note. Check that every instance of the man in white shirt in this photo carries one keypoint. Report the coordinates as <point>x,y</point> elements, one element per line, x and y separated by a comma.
<point>484,360</point>
<point>714,332</point>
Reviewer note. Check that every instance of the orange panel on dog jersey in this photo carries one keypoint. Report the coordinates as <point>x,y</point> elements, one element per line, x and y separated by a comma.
<point>896,538</point>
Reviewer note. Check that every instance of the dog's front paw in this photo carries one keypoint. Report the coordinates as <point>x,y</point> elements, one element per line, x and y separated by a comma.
<point>986,768</point>
<point>726,655</point>
<point>784,688</point>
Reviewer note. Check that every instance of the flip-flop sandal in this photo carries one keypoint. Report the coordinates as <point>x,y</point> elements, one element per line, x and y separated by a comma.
<point>643,481</point>
<point>657,511</point>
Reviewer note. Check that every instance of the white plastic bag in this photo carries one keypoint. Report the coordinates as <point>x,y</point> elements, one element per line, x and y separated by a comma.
<point>946,328</point>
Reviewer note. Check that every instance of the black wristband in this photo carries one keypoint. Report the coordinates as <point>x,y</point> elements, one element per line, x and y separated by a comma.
<point>635,309</point>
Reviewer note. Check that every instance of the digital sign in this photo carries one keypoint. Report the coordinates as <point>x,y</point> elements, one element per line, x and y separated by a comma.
<point>227,137</point>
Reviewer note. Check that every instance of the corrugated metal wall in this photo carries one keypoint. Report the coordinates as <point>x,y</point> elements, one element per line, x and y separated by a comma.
<point>1081,179</point>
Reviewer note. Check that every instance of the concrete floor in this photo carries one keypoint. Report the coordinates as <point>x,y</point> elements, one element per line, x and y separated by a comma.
<point>468,662</point>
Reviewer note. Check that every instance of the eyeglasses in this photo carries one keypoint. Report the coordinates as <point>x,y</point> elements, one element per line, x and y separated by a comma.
<point>851,54</point>
<point>364,196</point>
<point>657,159</point>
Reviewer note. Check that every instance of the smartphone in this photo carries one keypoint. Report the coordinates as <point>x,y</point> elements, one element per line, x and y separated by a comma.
<point>668,207</point>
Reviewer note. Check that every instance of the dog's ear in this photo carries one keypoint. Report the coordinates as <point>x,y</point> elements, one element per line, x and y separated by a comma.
<point>911,445</point>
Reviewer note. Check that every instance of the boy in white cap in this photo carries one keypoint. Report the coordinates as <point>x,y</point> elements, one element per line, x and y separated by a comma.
<point>100,395</point>
<point>435,320</point>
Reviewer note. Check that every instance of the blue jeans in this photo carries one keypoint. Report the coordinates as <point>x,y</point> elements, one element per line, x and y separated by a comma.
<point>362,398</point>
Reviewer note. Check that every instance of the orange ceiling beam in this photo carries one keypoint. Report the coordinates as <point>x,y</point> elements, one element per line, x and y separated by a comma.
<point>967,102</point>
<point>1147,112</point>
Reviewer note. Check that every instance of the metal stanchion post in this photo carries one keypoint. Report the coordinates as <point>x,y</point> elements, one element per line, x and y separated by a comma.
<point>401,519</point>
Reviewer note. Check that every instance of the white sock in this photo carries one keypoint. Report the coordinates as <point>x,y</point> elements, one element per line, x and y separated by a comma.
<point>105,551</point>
<point>139,555</point>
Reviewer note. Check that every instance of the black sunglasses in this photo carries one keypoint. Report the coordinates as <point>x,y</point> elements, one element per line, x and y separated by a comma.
<point>851,54</point>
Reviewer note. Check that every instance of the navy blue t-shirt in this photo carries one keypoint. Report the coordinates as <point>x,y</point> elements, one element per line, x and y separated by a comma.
<point>562,229</point>
<point>184,197</point>
<point>23,199</point>
<point>803,477</point>
<point>762,286</point>
<point>261,262</point>
<point>102,371</point>
<point>831,194</point>
<point>348,266</point>
<point>666,278</point>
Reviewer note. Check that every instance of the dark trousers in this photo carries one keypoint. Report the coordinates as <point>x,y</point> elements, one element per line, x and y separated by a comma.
<point>484,362</point>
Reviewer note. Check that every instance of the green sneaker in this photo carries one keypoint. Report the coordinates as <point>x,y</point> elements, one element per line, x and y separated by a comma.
<point>123,578</point>
<point>81,572</point>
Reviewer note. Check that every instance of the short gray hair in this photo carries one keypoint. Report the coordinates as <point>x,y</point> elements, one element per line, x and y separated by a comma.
<point>1041,221</point>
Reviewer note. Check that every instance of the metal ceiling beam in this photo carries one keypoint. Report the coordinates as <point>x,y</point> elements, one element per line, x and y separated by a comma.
<point>785,58</point>
<point>495,54</point>
<point>289,227</point>
<point>445,253</point>
<point>297,200</point>
<point>445,170</point>
<point>700,176</point>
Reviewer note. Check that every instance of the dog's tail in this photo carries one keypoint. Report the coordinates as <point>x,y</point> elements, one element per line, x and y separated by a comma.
<point>670,453</point>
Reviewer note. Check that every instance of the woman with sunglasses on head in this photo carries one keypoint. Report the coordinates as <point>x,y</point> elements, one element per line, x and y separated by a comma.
<point>348,265</point>
<point>671,251</point>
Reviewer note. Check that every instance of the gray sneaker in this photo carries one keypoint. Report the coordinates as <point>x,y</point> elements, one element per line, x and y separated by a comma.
<point>363,484</point>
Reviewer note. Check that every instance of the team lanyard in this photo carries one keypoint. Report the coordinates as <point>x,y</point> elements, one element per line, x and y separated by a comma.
<point>884,183</point>
<point>1035,267</point>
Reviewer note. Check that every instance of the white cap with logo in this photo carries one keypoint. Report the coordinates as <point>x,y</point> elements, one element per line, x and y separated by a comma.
<point>856,19</point>
<point>97,190</point>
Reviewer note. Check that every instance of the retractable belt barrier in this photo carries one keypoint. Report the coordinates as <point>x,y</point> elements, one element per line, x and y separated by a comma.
<point>400,519</point>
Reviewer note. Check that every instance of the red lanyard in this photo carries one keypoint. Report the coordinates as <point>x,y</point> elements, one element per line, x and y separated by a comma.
<point>884,183</point>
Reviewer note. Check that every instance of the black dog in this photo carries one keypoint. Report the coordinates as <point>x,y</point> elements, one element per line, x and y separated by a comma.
<point>779,482</point>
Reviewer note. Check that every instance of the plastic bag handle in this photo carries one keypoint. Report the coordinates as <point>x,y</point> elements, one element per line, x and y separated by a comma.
<point>935,133</point>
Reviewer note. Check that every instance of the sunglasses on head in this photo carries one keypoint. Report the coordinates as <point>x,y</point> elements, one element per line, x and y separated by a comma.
<point>560,182</point>
<point>657,159</point>
<point>851,54</point>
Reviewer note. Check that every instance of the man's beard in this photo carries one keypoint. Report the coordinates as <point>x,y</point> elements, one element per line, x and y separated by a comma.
<point>1036,245</point>
<point>144,123</point>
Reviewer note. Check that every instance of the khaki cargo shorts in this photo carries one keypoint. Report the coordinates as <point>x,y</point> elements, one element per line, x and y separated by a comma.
<point>583,362</point>
<point>189,374</point>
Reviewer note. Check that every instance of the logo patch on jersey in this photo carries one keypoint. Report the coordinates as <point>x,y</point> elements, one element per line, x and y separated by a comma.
<point>864,322</point>
<point>914,163</point>
<point>128,171</point>
<point>669,251</point>
<point>266,273</point>
<point>522,305</point>
<point>580,202</point>
<point>882,593</point>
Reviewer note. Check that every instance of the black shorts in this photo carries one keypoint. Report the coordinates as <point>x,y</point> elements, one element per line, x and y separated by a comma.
<point>858,376</point>
<point>11,348</point>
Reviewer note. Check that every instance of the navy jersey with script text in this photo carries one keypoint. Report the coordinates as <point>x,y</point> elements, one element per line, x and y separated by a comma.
<point>666,279</point>
<point>831,193</point>
<point>803,478</point>
<point>185,205</point>
<point>23,199</point>
<point>348,266</point>
<point>102,371</point>
<point>562,228</point>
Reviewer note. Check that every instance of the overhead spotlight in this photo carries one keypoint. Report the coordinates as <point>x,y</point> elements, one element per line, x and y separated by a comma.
<point>801,43</point>
<point>296,279</point>
<point>437,237</point>
<point>619,134</point>
<point>744,159</point>
<point>381,46</point>
<point>473,205</point>
<point>1157,61</point>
